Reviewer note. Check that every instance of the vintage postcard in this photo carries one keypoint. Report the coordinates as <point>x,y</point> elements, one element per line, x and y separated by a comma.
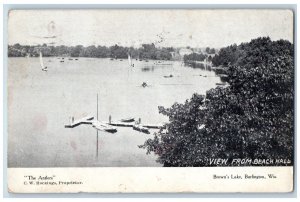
<point>150,100</point>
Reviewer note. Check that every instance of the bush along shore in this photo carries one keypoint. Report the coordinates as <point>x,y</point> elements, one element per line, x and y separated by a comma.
<point>252,118</point>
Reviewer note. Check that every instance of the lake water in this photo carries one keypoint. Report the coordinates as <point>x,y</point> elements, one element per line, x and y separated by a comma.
<point>40,104</point>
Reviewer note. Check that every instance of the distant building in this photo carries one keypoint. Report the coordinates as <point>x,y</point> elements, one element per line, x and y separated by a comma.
<point>173,53</point>
<point>185,51</point>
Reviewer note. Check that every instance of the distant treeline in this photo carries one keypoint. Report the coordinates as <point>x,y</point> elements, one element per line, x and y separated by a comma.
<point>147,51</point>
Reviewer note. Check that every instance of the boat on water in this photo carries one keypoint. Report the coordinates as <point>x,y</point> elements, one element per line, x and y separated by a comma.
<point>144,84</point>
<point>224,84</point>
<point>169,76</point>
<point>130,61</point>
<point>44,68</point>
<point>160,63</point>
<point>104,127</point>
<point>141,128</point>
<point>130,119</point>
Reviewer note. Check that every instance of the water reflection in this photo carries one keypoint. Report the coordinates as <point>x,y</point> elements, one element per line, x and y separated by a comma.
<point>147,69</point>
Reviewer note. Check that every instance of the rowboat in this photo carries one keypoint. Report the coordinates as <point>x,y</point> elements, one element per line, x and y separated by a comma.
<point>140,128</point>
<point>130,119</point>
<point>104,127</point>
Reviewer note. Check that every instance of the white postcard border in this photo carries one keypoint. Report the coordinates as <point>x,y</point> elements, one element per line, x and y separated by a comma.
<point>151,180</point>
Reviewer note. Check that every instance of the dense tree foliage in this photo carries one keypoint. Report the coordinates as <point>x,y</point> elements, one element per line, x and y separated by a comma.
<point>147,51</point>
<point>209,50</point>
<point>259,50</point>
<point>194,57</point>
<point>227,56</point>
<point>251,118</point>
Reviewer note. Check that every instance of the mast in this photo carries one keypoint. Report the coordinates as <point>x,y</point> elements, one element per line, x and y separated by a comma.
<point>97,106</point>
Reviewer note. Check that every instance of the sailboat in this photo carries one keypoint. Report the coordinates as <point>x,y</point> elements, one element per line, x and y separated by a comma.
<point>130,61</point>
<point>42,63</point>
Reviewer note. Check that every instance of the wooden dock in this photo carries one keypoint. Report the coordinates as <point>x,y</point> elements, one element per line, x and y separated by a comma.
<point>121,124</point>
<point>91,120</point>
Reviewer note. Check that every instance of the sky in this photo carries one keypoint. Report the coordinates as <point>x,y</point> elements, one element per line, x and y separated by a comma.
<point>130,27</point>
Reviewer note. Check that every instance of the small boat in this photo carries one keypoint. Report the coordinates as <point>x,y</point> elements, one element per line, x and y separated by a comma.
<point>147,60</point>
<point>62,61</point>
<point>130,119</point>
<point>220,84</point>
<point>170,76</point>
<point>104,127</point>
<point>111,59</point>
<point>222,75</point>
<point>144,84</point>
<point>70,59</point>
<point>76,58</point>
<point>141,128</point>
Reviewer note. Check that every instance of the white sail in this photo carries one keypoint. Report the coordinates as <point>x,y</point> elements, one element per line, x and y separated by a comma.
<point>129,60</point>
<point>41,61</point>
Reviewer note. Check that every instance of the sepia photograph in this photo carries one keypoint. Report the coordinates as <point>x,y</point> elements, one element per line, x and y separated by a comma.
<point>151,88</point>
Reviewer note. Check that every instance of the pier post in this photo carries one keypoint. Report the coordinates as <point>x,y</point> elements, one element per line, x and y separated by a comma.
<point>109,119</point>
<point>140,120</point>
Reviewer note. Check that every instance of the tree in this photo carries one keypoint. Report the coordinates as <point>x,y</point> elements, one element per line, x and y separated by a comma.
<point>207,50</point>
<point>76,51</point>
<point>228,55</point>
<point>212,51</point>
<point>209,58</point>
